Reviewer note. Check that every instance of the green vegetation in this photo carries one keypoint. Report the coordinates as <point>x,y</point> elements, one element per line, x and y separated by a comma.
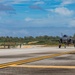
<point>39,40</point>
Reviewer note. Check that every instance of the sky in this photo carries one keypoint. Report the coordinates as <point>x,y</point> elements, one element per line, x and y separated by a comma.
<point>37,17</point>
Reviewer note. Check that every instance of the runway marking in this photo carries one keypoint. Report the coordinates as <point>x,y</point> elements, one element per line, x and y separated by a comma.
<point>44,67</point>
<point>19,62</point>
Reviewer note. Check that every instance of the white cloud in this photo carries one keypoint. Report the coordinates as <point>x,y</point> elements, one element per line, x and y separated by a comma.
<point>39,2</point>
<point>66,2</point>
<point>6,8</point>
<point>9,2</point>
<point>28,19</point>
<point>49,21</point>
<point>18,1</point>
<point>63,11</point>
<point>72,23</point>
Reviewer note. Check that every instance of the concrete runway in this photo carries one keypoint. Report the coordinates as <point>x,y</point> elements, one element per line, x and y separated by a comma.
<point>11,55</point>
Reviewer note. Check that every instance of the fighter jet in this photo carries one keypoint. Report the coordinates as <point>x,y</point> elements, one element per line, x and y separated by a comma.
<point>66,41</point>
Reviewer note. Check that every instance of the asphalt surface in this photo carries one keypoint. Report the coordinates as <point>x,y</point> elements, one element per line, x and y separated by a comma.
<point>30,71</point>
<point>10,55</point>
<point>20,54</point>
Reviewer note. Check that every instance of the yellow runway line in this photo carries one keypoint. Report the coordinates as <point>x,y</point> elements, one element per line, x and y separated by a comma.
<point>43,67</point>
<point>19,62</point>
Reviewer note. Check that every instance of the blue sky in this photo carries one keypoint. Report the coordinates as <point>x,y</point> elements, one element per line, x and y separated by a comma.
<point>37,17</point>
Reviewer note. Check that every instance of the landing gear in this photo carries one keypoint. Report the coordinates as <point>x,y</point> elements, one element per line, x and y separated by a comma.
<point>74,45</point>
<point>59,46</point>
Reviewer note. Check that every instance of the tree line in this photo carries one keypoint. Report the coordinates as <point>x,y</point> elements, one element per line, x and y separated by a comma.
<point>41,39</point>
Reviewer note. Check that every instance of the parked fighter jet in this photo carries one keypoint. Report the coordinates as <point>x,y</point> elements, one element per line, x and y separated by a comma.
<point>66,40</point>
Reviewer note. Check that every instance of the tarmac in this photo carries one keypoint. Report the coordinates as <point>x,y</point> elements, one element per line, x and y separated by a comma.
<point>38,61</point>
